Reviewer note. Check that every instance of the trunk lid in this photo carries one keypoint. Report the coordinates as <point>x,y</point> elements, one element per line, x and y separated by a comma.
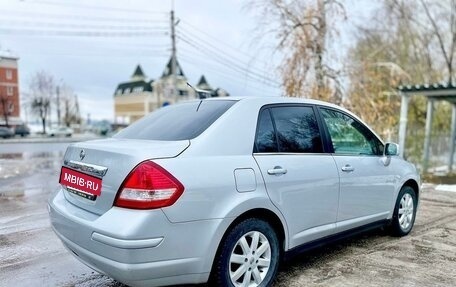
<point>112,160</point>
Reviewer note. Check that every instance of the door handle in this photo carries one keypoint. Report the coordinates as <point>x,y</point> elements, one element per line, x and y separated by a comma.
<point>277,170</point>
<point>348,168</point>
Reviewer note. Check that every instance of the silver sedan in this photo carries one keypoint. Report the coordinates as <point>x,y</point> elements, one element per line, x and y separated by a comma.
<point>220,190</point>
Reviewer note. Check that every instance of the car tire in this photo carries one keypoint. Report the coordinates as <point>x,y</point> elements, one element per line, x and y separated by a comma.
<point>238,259</point>
<point>404,212</point>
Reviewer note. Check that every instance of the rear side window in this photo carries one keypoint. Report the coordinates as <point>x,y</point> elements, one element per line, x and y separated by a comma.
<point>266,140</point>
<point>288,129</point>
<point>177,122</point>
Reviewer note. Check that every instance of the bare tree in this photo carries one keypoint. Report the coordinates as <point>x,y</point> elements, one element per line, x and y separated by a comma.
<point>70,105</point>
<point>303,29</point>
<point>406,42</point>
<point>6,110</point>
<point>446,41</point>
<point>41,88</point>
<point>433,25</point>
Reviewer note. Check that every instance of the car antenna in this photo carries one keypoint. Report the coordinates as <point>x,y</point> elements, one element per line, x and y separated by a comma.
<point>199,91</point>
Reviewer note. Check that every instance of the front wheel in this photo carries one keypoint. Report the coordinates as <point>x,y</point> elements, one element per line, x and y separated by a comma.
<point>248,256</point>
<point>404,212</point>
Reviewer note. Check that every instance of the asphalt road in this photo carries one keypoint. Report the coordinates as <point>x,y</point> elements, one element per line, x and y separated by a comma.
<point>31,255</point>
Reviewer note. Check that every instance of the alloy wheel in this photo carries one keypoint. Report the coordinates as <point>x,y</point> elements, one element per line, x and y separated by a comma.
<point>250,260</point>
<point>406,211</point>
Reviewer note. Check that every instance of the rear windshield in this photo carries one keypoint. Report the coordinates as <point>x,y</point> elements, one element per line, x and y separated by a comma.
<point>177,122</point>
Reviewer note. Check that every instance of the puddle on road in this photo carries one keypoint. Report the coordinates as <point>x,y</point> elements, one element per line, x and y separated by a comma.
<point>18,191</point>
<point>11,155</point>
<point>31,155</point>
<point>13,193</point>
<point>17,164</point>
<point>29,173</point>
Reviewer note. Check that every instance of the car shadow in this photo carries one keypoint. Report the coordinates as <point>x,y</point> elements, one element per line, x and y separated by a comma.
<point>320,256</point>
<point>318,261</point>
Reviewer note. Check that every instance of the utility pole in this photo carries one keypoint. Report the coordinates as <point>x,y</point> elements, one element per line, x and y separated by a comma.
<point>57,91</point>
<point>76,105</point>
<point>173,56</point>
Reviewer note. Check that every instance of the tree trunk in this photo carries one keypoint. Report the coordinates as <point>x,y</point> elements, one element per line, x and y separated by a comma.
<point>43,122</point>
<point>4,103</point>
<point>319,49</point>
<point>5,115</point>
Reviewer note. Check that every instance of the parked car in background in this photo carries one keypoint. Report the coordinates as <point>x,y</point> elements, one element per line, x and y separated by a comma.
<point>103,128</point>
<point>220,190</point>
<point>6,133</point>
<point>60,131</point>
<point>22,130</point>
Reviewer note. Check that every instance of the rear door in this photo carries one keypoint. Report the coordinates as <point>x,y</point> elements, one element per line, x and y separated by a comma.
<point>366,182</point>
<point>301,179</point>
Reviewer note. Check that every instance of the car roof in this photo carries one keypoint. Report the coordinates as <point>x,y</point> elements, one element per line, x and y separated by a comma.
<point>278,100</point>
<point>261,101</point>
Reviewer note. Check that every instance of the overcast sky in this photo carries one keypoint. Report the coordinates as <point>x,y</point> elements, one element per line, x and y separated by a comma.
<point>94,45</point>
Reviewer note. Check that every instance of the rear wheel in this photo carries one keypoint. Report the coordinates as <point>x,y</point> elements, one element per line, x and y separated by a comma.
<point>248,256</point>
<point>404,212</point>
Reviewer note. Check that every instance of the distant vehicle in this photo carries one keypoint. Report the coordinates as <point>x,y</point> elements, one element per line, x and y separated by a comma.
<point>22,130</point>
<point>223,189</point>
<point>60,131</point>
<point>6,133</point>
<point>103,128</point>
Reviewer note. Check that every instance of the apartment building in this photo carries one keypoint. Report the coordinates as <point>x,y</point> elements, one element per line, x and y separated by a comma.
<point>9,90</point>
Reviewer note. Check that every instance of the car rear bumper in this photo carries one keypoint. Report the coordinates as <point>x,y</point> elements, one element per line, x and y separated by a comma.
<point>136,247</point>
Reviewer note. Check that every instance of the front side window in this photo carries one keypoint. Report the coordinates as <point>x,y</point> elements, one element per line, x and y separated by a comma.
<point>291,129</point>
<point>349,136</point>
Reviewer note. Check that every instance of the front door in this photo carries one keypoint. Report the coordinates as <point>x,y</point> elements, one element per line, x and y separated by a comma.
<point>366,183</point>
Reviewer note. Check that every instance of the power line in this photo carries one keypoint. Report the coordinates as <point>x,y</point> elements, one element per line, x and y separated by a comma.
<point>37,24</point>
<point>227,75</point>
<point>104,8</point>
<point>156,54</point>
<point>230,64</point>
<point>219,50</point>
<point>120,34</point>
<point>27,14</point>
<point>234,49</point>
<point>225,61</point>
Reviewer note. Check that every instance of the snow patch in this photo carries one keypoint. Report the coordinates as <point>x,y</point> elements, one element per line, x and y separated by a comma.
<point>446,187</point>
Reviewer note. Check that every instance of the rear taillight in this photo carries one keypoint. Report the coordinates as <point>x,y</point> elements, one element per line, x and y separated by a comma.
<point>148,186</point>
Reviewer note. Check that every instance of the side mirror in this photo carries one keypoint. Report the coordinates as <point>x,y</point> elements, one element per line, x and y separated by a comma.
<point>391,149</point>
